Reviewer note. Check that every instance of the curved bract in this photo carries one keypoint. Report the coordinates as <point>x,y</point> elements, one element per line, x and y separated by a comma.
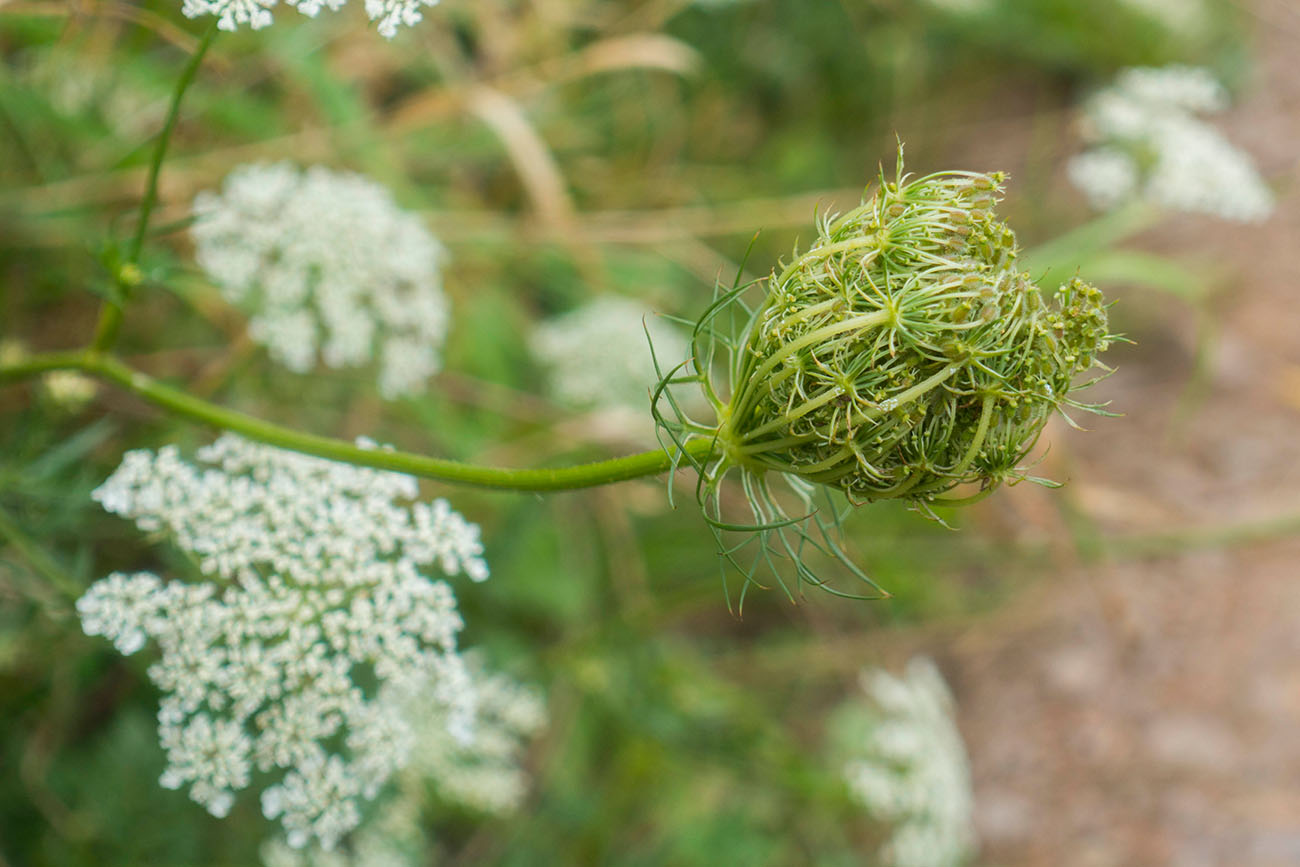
<point>901,356</point>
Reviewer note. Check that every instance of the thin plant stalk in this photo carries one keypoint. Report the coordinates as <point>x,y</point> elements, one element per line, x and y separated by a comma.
<point>194,409</point>
<point>110,316</point>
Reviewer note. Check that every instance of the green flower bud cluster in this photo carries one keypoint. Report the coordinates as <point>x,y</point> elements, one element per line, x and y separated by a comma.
<point>901,356</point>
<point>904,354</point>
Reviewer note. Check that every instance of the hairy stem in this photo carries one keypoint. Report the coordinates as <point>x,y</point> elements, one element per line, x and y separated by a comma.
<point>192,408</point>
<point>110,315</point>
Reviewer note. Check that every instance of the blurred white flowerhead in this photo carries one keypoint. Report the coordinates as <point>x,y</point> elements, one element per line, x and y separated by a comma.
<point>598,356</point>
<point>1182,17</point>
<point>81,85</point>
<point>483,774</point>
<point>1147,142</point>
<point>327,266</point>
<point>393,836</point>
<point>69,389</point>
<point>232,14</point>
<point>317,626</point>
<point>908,767</point>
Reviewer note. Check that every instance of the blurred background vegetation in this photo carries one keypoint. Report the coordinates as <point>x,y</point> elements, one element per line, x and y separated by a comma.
<point>561,149</point>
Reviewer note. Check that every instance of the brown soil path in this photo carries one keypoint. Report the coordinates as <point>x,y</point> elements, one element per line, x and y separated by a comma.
<point>1146,712</point>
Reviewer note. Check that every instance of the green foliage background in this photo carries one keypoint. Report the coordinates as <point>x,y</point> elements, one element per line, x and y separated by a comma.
<point>681,734</point>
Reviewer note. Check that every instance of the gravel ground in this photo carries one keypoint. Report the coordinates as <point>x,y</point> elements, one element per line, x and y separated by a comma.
<point>1146,710</point>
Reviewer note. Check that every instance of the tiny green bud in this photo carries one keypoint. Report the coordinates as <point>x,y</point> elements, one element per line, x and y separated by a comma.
<point>130,275</point>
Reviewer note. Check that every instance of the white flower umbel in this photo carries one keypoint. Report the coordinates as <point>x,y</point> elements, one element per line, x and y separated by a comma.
<point>392,837</point>
<point>316,626</point>
<point>327,266</point>
<point>231,14</point>
<point>911,770</point>
<point>391,13</point>
<point>483,774</point>
<point>1148,142</point>
<point>256,14</point>
<point>598,355</point>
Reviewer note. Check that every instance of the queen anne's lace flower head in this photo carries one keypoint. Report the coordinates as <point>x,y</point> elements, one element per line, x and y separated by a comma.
<point>317,625</point>
<point>232,14</point>
<point>903,354</point>
<point>598,355</point>
<point>328,266</point>
<point>911,770</point>
<point>391,13</point>
<point>1148,142</point>
<point>483,774</point>
<point>392,837</point>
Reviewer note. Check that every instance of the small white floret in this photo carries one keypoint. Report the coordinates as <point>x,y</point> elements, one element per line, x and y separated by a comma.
<point>232,14</point>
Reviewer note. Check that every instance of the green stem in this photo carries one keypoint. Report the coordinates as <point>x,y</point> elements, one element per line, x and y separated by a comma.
<point>35,365</point>
<point>110,316</point>
<point>453,472</point>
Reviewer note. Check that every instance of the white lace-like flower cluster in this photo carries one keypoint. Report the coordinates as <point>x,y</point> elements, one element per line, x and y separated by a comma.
<point>598,356</point>
<point>1148,142</point>
<point>392,837</point>
<point>389,14</point>
<point>327,264</point>
<point>316,628</point>
<point>911,769</point>
<point>482,774</point>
